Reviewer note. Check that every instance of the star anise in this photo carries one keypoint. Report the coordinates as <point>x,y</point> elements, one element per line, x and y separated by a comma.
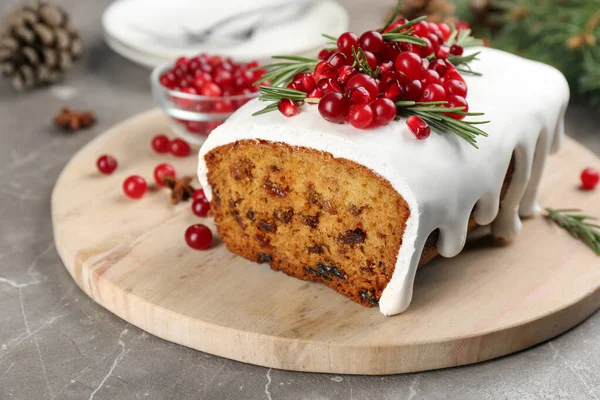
<point>181,190</point>
<point>74,120</point>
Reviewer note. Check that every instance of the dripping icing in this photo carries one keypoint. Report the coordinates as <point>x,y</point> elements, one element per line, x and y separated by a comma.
<point>442,179</point>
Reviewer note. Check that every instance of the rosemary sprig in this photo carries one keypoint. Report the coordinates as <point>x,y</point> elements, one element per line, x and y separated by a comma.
<point>403,37</point>
<point>433,114</point>
<point>360,62</point>
<point>578,225</point>
<point>463,38</point>
<point>282,73</point>
<point>275,94</point>
<point>464,60</point>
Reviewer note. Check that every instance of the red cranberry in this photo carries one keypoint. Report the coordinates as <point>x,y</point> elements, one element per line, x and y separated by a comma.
<point>180,148</point>
<point>429,77</point>
<point>161,144</point>
<point>433,92</point>
<point>358,95</point>
<point>439,66</point>
<point>337,60</point>
<point>308,83</point>
<point>334,107</point>
<point>330,73</point>
<point>200,79</point>
<point>455,87</point>
<point>346,42</point>
<point>198,237</point>
<point>288,107</point>
<point>442,53</point>
<point>324,54</point>
<point>409,64</point>
<point>134,186</point>
<point>445,30</point>
<point>296,85</point>
<point>222,77</point>
<point>371,60</point>
<point>223,107</point>
<point>413,90</point>
<point>345,73</point>
<point>200,207</point>
<point>199,194</point>
<point>418,127</point>
<point>393,91</point>
<point>360,116</point>
<point>166,82</point>
<point>452,73</point>
<point>456,50</point>
<point>384,110</point>
<point>392,76</point>
<point>589,178</point>
<point>182,62</point>
<point>427,49</point>
<point>328,85</point>
<point>106,164</point>
<point>196,127</point>
<point>456,101</point>
<point>316,93</point>
<point>161,171</point>
<point>421,29</point>
<point>371,41</point>
<point>211,89</point>
<point>365,81</point>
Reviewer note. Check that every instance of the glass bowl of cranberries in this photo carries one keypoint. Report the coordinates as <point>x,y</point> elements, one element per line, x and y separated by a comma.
<point>200,93</point>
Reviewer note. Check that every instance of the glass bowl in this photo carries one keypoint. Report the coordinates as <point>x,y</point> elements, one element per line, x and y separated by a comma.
<point>191,116</point>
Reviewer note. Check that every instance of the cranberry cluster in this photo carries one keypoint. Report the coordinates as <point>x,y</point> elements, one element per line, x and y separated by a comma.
<point>210,76</point>
<point>399,71</point>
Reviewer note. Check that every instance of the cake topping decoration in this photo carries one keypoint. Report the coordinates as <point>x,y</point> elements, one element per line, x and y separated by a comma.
<point>407,68</point>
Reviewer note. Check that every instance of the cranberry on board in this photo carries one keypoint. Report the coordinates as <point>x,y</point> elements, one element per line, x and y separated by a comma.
<point>198,237</point>
<point>199,194</point>
<point>589,178</point>
<point>106,164</point>
<point>134,186</point>
<point>161,171</point>
<point>200,207</point>
<point>180,148</point>
<point>161,144</point>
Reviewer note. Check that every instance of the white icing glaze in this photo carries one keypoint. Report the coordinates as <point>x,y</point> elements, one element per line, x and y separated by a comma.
<point>441,178</point>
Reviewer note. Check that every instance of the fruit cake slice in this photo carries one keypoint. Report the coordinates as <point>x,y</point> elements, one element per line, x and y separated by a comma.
<point>361,209</point>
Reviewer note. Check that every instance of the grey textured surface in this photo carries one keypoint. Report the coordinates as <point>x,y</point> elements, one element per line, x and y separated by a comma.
<point>56,343</point>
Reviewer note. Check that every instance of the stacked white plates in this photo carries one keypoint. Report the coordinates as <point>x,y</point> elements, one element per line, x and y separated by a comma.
<point>151,32</point>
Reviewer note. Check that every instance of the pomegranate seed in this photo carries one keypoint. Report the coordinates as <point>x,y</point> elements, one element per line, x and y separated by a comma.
<point>456,101</point>
<point>455,87</point>
<point>211,89</point>
<point>106,164</point>
<point>321,67</point>
<point>409,64</point>
<point>456,50</point>
<point>365,81</point>
<point>360,116</point>
<point>161,144</point>
<point>358,95</point>
<point>330,73</point>
<point>439,66</point>
<point>200,207</point>
<point>199,194</point>
<point>418,127</point>
<point>288,107</point>
<point>198,237</point>
<point>371,41</point>
<point>337,60</point>
<point>334,107</point>
<point>589,178</point>
<point>434,92</point>
<point>384,110</point>
<point>308,83</point>
<point>180,148</point>
<point>442,53</point>
<point>346,42</point>
<point>345,73</point>
<point>134,186</point>
<point>413,90</point>
<point>316,93</point>
<point>161,171</point>
<point>324,54</point>
<point>393,91</point>
<point>328,85</point>
<point>385,66</point>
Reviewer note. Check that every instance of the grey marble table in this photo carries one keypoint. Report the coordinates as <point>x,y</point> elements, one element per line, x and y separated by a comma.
<point>56,343</point>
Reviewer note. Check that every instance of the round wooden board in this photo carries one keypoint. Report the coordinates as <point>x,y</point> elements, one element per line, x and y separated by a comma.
<point>491,300</point>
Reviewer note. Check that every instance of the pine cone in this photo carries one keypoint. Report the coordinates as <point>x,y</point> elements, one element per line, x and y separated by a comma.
<point>435,10</point>
<point>37,45</point>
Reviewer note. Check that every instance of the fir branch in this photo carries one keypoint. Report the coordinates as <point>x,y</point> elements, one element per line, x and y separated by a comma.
<point>578,225</point>
<point>434,114</point>
<point>282,73</point>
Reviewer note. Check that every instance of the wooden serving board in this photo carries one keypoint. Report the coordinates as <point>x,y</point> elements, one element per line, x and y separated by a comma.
<point>131,258</point>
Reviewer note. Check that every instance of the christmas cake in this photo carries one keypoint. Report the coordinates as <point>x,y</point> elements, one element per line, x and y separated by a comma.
<point>360,206</point>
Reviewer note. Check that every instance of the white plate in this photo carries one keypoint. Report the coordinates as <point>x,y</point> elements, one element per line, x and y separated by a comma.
<point>126,21</point>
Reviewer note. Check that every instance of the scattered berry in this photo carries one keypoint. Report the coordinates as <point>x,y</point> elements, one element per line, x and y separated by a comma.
<point>198,237</point>
<point>161,170</point>
<point>180,148</point>
<point>418,127</point>
<point>134,186</point>
<point>199,194</point>
<point>106,164</point>
<point>161,144</point>
<point>589,178</point>
<point>200,207</point>
<point>288,107</point>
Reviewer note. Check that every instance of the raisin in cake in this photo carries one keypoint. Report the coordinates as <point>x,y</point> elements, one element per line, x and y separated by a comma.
<point>360,210</point>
